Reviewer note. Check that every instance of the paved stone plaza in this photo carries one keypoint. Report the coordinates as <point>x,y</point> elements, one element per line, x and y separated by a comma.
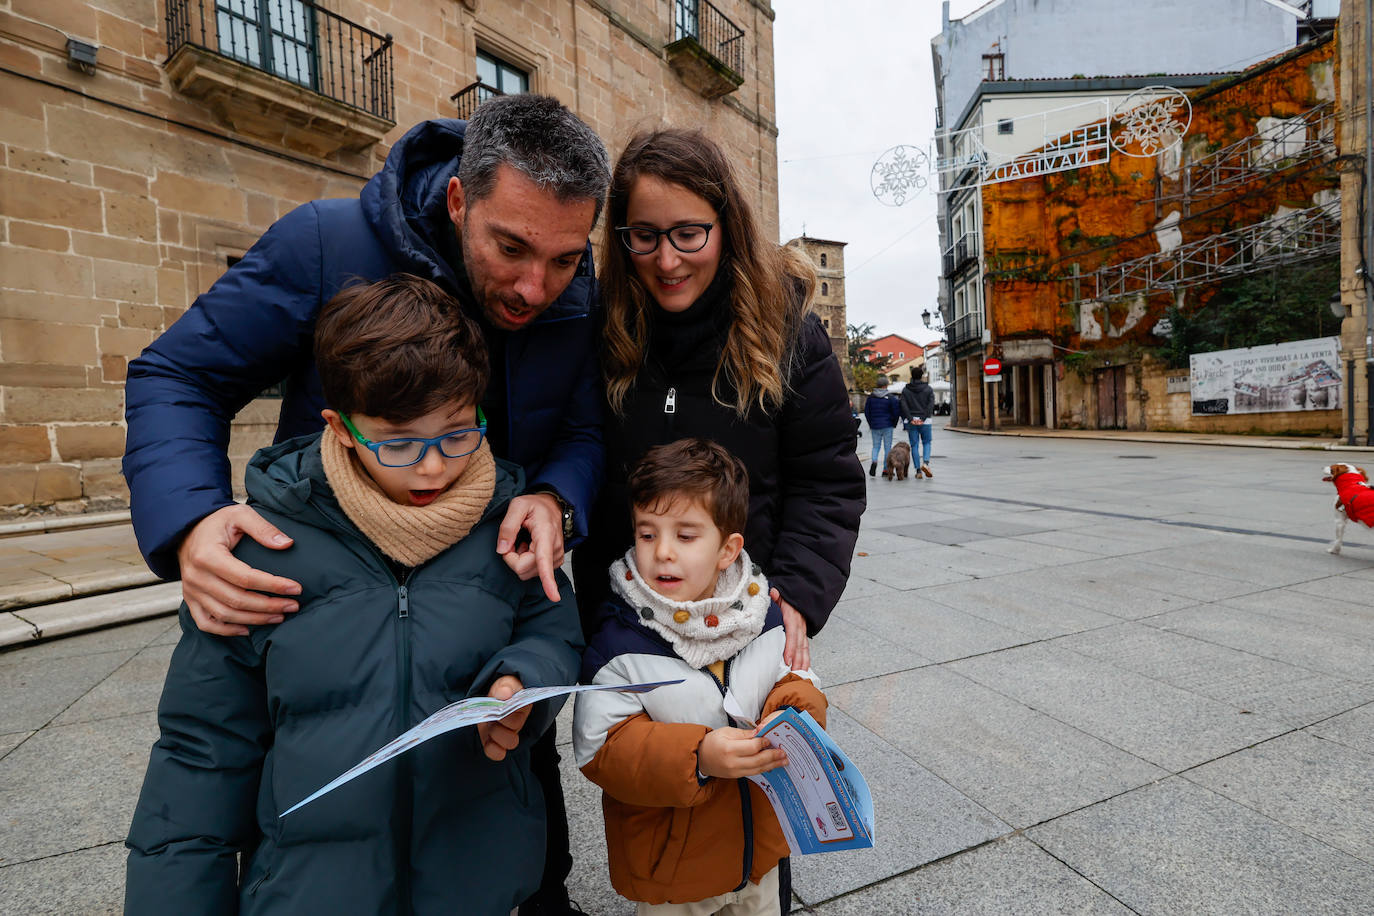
<point>1080,677</point>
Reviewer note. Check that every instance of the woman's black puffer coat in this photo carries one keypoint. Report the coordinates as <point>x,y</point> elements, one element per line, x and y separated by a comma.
<point>806,487</point>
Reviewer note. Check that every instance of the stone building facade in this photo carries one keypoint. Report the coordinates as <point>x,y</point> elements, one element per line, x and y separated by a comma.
<point>145,144</point>
<point>1357,331</point>
<point>828,259</point>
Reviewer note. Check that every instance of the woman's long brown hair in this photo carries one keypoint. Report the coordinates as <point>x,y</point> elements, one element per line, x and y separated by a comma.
<point>767,308</point>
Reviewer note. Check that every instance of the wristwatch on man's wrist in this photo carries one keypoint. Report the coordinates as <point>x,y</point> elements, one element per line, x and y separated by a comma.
<point>564,507</point>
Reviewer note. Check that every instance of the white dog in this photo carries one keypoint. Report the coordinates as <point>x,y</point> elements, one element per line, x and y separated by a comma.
<point>1354,499</point>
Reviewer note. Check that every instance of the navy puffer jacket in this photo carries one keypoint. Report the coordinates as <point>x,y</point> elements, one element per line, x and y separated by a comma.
<point>882,409</point>
<point>250,725</point>
<point>254,328</point>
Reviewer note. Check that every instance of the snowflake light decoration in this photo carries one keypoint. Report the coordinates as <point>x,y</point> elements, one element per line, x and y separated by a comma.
<point>1150,121</point>
<point>900,174</point>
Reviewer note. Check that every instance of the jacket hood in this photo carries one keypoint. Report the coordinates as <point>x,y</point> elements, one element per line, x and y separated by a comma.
<point>404,201</point>
<point>289,478</point>
<point>406,204</point>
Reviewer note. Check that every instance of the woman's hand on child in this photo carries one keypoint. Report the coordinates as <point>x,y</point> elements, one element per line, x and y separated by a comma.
<point>541,516</point>
<point>503,735</point>
<point>734,752</point>
<point>796,652</point>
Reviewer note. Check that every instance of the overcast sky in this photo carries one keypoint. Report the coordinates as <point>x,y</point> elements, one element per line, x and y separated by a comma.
<point>854,80</point>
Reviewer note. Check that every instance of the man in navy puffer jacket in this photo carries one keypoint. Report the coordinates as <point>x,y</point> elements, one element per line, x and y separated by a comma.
<point>882,410</point>
<point>497,212</point>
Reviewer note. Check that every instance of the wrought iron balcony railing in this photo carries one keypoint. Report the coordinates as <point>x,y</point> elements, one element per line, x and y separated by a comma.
<point>295,40</point>
<point>712,29</point>
<point>962,252</point>
<point>966,329</point>
<point>469,97</point>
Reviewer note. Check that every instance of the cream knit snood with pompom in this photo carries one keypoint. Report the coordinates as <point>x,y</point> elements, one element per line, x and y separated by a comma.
<point>410,535</point>
<point>706,631</point>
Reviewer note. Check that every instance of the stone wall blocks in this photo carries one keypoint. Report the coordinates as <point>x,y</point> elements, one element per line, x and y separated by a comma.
<point>35,235</point>
<point>75,405</point>
<point>57,481</point>
<point>116,180</point>
<point>40,199</point>
<point>47,342</point>
<point>110,249</point>
<point>47,272</point>
<point>102,479</point>
<point>130,217</point>
<point>82,443</point>
<point>125,282</point>
<point>126,342</point>
<point>114,369</point>
<point>49,166</point>
<point>24,445</point>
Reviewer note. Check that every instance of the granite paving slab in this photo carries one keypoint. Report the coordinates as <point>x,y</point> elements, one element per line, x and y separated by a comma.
<point>920,818</point>
<point>1147,535</point>
<point>1293,642</point>
<point>1136,572</point>
<point>859,587</point>
<point>1079,585</point>
<point>11,741</point>
<point>171,635</point>
<point>1168,727</point>
<point>937,533</point>
<point>884,517</point>
<point>1353,729</point>
<point>1076,539</point>
<point>73,787</point>
<point>1175,847</point>
<point>1021,765</point>
<point>1352,617</point>
<point>1005,878</point>
<point>132,636</point>
<point>136,686</point>
<point>874,541</point>
<point>1002,602</point>
<point>1028,551</point>
<point>899,571</point>
<point>999,527</point>
<point>36,691</point>
<point>1297,696</point>
<point>1322,788</point>
<point>1344,588</point>
<point>589,884</point>
<point>1257,563</point>
<point>934,631</point>
<point>844,651</point>
<point>88,882</point>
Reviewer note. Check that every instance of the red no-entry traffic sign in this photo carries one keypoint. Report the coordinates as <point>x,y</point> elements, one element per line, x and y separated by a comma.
<point>992,366</point>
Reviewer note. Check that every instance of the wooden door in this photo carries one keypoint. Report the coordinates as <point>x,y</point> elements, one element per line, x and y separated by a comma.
<point>1111,398</point>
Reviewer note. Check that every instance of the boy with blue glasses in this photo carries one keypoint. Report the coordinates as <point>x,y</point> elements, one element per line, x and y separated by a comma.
<point>394,513</point>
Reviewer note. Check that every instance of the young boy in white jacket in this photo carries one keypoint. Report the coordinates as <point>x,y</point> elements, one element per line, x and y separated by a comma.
<point>686,832</point>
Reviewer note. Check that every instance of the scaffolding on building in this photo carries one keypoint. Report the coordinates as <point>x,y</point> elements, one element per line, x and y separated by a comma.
<point>1271,154</point>
<point>1298,235</point>
<point>1281,145</point>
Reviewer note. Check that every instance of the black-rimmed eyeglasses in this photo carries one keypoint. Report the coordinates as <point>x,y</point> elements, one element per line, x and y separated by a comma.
<point>685,237</point>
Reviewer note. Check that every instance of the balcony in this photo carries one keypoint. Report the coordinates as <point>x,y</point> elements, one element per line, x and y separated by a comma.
<point>966,329</point>
<point>469,97</point>
<point>960,254</point>
<point>284,70</point>
<point>707,51</point>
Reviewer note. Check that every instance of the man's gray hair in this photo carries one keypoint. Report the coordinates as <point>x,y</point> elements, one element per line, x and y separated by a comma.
<point>537,136</point>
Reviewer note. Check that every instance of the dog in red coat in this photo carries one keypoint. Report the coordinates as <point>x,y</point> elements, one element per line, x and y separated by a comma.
<point>1354,499</point>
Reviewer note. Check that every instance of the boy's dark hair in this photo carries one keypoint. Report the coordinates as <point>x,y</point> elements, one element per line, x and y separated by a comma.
<point>698,469</point>
<point>917,373</point>
<point>398,349</point>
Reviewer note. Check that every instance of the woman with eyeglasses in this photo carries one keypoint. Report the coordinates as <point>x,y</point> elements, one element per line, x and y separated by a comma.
<point>708,333</point>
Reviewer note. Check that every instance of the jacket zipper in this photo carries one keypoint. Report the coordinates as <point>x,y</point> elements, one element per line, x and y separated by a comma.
<point>745,806</point>
<point>405,792</point>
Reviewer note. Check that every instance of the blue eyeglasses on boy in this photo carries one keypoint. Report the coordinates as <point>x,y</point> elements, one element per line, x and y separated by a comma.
<point>402,453</point>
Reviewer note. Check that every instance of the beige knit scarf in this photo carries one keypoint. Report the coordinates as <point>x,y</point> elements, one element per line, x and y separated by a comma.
<point>410,535</point>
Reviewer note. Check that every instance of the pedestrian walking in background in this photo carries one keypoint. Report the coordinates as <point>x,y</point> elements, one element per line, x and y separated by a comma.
<point>918,406</point>
<point>881,410</point>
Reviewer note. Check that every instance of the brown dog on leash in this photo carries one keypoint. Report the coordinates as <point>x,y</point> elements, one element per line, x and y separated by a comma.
<point>898,462</point>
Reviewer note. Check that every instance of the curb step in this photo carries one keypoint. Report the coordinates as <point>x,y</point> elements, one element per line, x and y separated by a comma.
<point>65,618</point>
<point>63,523</point>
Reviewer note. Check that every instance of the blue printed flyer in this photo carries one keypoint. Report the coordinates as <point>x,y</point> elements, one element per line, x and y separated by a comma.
<point>820,797</point>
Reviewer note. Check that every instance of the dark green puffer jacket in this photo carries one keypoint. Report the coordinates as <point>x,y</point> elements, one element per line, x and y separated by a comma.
<point>250,725</point>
